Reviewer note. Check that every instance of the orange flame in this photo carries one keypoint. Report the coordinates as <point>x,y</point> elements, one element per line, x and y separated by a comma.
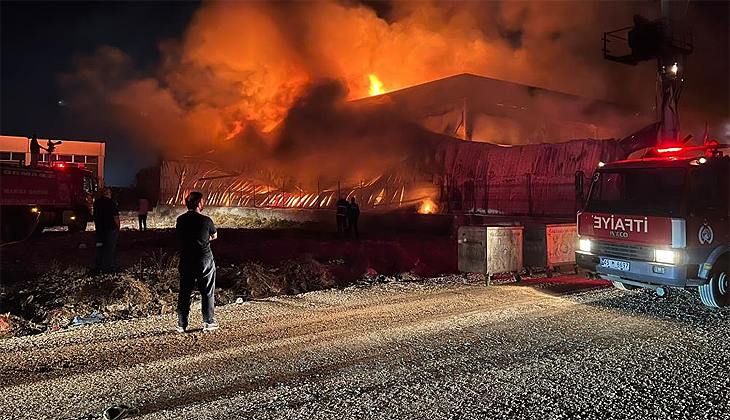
<point>376,86</point>
<point>427,207</point>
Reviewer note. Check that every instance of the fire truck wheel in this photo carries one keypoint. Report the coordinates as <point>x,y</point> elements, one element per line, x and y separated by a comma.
<point>77,226</point>
<point>716,293</point>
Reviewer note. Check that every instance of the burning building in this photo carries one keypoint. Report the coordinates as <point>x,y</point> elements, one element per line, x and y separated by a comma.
<point>461,144</point>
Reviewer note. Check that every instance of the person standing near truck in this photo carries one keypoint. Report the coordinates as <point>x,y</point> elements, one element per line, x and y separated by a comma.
<point>35,151</point>
<point>106,221</point>
<point>197,265</point>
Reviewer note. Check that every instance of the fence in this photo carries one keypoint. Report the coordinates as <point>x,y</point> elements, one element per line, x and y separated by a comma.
<point>525,195</point>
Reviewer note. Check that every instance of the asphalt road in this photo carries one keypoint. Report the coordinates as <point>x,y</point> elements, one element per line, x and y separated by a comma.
<point>437,350</point>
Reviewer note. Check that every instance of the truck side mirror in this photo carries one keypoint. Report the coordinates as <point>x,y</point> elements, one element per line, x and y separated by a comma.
<point>579,198</point>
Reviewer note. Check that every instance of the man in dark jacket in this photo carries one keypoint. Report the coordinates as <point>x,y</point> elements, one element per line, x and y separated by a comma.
<point>106,223</point>
<point>353,213</point>
<point>342,207</point>
<point>197,266</point>
<point>35,151</point>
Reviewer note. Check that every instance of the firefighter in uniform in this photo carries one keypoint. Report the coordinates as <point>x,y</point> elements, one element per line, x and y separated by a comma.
<point>342,207</point>
<point>353,213</point>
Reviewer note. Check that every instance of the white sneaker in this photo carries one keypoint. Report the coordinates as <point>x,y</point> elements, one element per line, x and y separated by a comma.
<point>210,327</point>
<point>180,329</point>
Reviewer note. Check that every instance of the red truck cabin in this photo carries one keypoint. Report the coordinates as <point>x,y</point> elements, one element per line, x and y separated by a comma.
<point>659,222</point>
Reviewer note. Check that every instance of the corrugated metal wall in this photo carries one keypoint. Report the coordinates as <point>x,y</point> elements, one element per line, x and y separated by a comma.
<point>519,180</point>
<point>464,177</point>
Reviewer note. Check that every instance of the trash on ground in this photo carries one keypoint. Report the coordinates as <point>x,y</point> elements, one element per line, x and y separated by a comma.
<point>92,318</point>
<point>119,411</point>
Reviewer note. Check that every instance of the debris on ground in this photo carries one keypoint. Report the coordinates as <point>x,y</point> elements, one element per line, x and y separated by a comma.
<point>5,323</point>
<point>252,264</point>
<point>119,411</point>
<point>92,318</point>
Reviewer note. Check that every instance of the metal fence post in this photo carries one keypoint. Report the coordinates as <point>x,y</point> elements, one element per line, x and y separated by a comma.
<point>529,194</point>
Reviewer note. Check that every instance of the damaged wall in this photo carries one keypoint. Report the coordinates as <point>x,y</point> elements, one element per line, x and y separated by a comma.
<point>451,175</point>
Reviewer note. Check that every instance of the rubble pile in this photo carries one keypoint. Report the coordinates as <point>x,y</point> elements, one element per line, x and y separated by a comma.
<point>73,296</point>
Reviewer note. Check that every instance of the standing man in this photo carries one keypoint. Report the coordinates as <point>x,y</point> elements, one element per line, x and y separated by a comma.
<point>106,222</point>
<point>353,213</point>
<point>143,208</point>
<point>197,266</point>
<point>35,151</point>
<point>342,207</point>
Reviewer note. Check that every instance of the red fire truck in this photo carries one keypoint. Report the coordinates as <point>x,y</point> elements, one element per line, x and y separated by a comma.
<point>661,223</point>
<point>34,198</point>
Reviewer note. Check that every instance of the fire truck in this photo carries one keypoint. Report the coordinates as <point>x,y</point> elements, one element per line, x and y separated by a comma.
<point>660,222</point>
<point>34,198</point>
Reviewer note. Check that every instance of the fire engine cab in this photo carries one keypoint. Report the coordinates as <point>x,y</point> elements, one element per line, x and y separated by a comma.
<point>660,222</point>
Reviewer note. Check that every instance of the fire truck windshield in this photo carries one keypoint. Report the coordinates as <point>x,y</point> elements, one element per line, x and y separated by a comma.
<point>646,191</point>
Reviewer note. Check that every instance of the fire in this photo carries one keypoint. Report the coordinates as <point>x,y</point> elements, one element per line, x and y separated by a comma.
<point>376,86</point>
<point>427,207</point>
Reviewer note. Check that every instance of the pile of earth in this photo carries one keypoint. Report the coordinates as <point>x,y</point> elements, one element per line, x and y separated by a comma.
<point>69,296</point>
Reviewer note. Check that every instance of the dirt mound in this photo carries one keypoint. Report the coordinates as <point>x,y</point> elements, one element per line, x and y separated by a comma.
<point>129,292</point>
<point>305,274</point>
<point>260,281</point>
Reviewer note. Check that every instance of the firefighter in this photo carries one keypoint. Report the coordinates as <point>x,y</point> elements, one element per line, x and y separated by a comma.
<point>106,223</point>
<point>353,213</point>
<point>35,151</point>
<point>197,265</point>
<point>342,207</point>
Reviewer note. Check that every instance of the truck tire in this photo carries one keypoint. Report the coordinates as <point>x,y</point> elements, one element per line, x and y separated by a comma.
<point>716,293</point>
<point>77,226</point>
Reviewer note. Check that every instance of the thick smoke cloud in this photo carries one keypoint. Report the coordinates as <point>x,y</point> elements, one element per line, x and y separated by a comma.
<point>243,77</point>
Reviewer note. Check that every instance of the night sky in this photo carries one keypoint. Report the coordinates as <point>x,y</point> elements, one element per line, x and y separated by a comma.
<point>40,39</point>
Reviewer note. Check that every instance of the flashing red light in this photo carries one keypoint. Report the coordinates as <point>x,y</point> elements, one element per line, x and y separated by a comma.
<point>61,165</point>
<point>81,165</point>
<point>669,150</point>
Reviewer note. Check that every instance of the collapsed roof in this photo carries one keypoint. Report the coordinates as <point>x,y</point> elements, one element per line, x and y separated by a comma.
<point>477,108</point>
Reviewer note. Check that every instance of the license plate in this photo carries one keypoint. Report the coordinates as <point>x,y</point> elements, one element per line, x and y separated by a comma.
<point>615,265</point>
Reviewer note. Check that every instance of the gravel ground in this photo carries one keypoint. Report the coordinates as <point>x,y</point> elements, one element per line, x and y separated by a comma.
<point>440,349</point>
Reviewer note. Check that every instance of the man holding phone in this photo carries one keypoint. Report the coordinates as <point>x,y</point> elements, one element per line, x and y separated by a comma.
<point>197,265</point>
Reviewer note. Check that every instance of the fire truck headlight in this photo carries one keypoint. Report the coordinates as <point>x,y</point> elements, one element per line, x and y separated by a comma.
<point>35,210</point>
<point>665,256</point>
<point>585,245</point>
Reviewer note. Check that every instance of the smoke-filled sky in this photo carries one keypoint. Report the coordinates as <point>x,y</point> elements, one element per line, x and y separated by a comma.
<point>189,77</point>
